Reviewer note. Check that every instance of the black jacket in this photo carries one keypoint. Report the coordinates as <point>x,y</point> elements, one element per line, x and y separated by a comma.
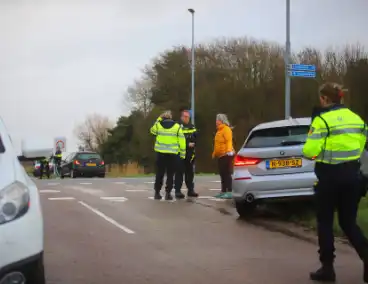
<point>190,138</point>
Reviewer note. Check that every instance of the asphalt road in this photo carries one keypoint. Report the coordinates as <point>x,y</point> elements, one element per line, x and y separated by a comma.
<point>112,231</point>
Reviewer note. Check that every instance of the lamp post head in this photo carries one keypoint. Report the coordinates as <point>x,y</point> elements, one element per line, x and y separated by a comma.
<point>191,10</point>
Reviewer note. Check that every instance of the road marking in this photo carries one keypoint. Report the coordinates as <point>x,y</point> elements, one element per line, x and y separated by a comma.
<point>135,190</point>
<point>217,199</point>
<point>116,199</point>
<point>53,183</point>
<point>86,183</point>
<point>107,218</point>
<point>61,198</point>
<point>215,189</point>
<point>205,197</point>
<point>49,191</point>
<point>149,182</point>
<point>163,199</point>
<point>216,181</point>
<point>120,182</point>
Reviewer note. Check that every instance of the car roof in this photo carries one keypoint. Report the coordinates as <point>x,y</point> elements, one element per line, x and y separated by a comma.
<point>283,123</point>
<point>86,152</point>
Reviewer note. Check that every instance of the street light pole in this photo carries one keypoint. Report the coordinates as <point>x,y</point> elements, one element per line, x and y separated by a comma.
<point>192,66</point>
<point>287,58</point>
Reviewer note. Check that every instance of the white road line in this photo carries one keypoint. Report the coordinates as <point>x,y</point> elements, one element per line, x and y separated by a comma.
<point>135,190</point>
<point>216,181</point>
<point>120,182</point>
<point>61,198</point>
<point>152,198</point>
<point>86,183</point>
<point>49,191</point>
<point>107,218</point>
<point>115,199</point>
<point>53,183</point>
<point>214,189</point>
<point>149,182</point>
<point>205,197</point>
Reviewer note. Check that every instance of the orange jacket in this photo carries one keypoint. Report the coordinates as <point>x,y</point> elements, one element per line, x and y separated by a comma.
<point>223,141</point>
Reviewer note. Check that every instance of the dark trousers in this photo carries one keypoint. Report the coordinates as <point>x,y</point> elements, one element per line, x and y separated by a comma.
<point>46,168</point>
<point>225,167</point>
<point>184,167</point>
<point>341,192</point>
<point>165,164</point>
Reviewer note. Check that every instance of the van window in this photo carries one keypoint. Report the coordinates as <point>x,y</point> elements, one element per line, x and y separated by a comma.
<point>278,137</point>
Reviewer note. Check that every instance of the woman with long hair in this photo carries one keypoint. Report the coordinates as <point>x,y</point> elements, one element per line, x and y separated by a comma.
<point>224,153</point>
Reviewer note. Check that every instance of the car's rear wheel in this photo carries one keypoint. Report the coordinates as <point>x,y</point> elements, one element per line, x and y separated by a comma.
<point>245,209</point>
<point>101,175</point>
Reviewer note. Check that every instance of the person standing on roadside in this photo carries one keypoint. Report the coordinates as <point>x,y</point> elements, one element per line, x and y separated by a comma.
<point>336,141</point>
<point>186,166</point>
<point>170,142</point>
<point>224,152</point>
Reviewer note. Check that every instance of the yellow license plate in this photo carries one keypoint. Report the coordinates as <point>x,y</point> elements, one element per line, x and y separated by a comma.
<point>284,163</point>
<point>91,165</point>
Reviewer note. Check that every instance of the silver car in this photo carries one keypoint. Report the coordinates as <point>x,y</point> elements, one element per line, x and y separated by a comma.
<point>270,164</point>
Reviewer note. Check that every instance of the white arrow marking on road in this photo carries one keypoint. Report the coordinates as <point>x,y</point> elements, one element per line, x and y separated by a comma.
<point>53,183</point>
<point>107,218</point>
<point>49,191</point>
<point>215,189</point>
<point>115,199</point>
<point>86,183</point>
<point>135,190</point>
<point>61,198</point>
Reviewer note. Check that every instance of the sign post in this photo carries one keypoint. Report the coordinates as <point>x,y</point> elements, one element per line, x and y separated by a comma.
<point>61,143</point>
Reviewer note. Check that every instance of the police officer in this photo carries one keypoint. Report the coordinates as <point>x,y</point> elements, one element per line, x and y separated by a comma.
<point>57,158</point>
<point>186,166</point>
<point>336,141</point>
<point>44,166</point>
<point>170,141</point>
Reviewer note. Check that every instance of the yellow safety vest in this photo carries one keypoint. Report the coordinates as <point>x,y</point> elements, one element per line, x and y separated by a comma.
<point>169,140</point>
<point>58,155</point>
<point>335,137</point>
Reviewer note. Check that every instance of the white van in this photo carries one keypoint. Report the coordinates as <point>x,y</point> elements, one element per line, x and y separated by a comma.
<point>21,222</point>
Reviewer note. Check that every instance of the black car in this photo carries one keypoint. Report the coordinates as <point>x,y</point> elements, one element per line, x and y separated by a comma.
<point>83,164</point>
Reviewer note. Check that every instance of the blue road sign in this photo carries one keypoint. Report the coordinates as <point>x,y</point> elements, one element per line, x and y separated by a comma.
<point>304,74</point>
<point>302,67</point>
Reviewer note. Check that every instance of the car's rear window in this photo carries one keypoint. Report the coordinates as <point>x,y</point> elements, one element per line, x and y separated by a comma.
<point>88,156</point>
<point>279,136</point>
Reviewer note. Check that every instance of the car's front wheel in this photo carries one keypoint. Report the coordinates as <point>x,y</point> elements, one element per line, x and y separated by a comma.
<point>245,209</point>
<point>36,275</point>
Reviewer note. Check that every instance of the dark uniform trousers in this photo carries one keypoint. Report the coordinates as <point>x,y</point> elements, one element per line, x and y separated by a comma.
<point>338,189</point>
<point>165,164</point>
<point>184,168</point>
<point>44,166</point>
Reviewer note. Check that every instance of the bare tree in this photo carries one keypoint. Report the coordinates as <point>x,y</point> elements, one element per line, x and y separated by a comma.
<point>93,132</point>
<point>139,95</point>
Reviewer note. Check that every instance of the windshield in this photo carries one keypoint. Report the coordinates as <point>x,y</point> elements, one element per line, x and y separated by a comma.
<point>89,156</point>
<point>278,137</point>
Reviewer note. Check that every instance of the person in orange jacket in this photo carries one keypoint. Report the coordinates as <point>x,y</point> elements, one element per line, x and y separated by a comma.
<point>224,152</point>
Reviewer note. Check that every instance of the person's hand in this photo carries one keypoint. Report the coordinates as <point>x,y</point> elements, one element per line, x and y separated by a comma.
<point>191,144</point>
<point>230,153</point>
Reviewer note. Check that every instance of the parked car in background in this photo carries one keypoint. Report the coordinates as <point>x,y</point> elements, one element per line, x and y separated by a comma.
<point>88,164</point>
<point>21,220</point>
<point>37,168</point>
<point>270,164</point>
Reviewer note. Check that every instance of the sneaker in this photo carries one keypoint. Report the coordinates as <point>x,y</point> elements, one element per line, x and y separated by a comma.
<point>220,195</point>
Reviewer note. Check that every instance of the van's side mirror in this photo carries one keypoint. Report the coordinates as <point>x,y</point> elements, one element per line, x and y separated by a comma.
<point>2,147</point>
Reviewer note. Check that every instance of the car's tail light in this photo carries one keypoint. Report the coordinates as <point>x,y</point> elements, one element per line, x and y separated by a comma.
<point>102,163</point>
<point>37,167</point>
<point>76,162</point>
<point>245,161</point>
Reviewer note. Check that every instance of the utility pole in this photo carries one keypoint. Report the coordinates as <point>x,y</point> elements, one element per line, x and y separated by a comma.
<point>192,67</point>
<point>287,58</point>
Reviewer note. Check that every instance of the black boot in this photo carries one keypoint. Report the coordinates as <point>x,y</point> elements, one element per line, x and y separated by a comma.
<point>192,193</point>
<point>157,195</point>
<point>179,195</point>
<point>325,274</point>
<point>168,196</point>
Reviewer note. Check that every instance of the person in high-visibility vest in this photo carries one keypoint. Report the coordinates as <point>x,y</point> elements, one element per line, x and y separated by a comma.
<point>336,141</point>
<point>186,166</point>
<point>44,166</point>
<point>170,142</point>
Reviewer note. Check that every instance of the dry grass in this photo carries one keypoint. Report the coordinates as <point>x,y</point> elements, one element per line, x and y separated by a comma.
<point>131,169</point>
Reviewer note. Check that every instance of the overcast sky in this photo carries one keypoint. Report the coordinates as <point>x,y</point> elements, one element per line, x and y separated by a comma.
<point>63,59</point>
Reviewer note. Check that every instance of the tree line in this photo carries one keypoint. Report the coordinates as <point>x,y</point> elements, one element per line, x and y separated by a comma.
<point>241,77</point>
